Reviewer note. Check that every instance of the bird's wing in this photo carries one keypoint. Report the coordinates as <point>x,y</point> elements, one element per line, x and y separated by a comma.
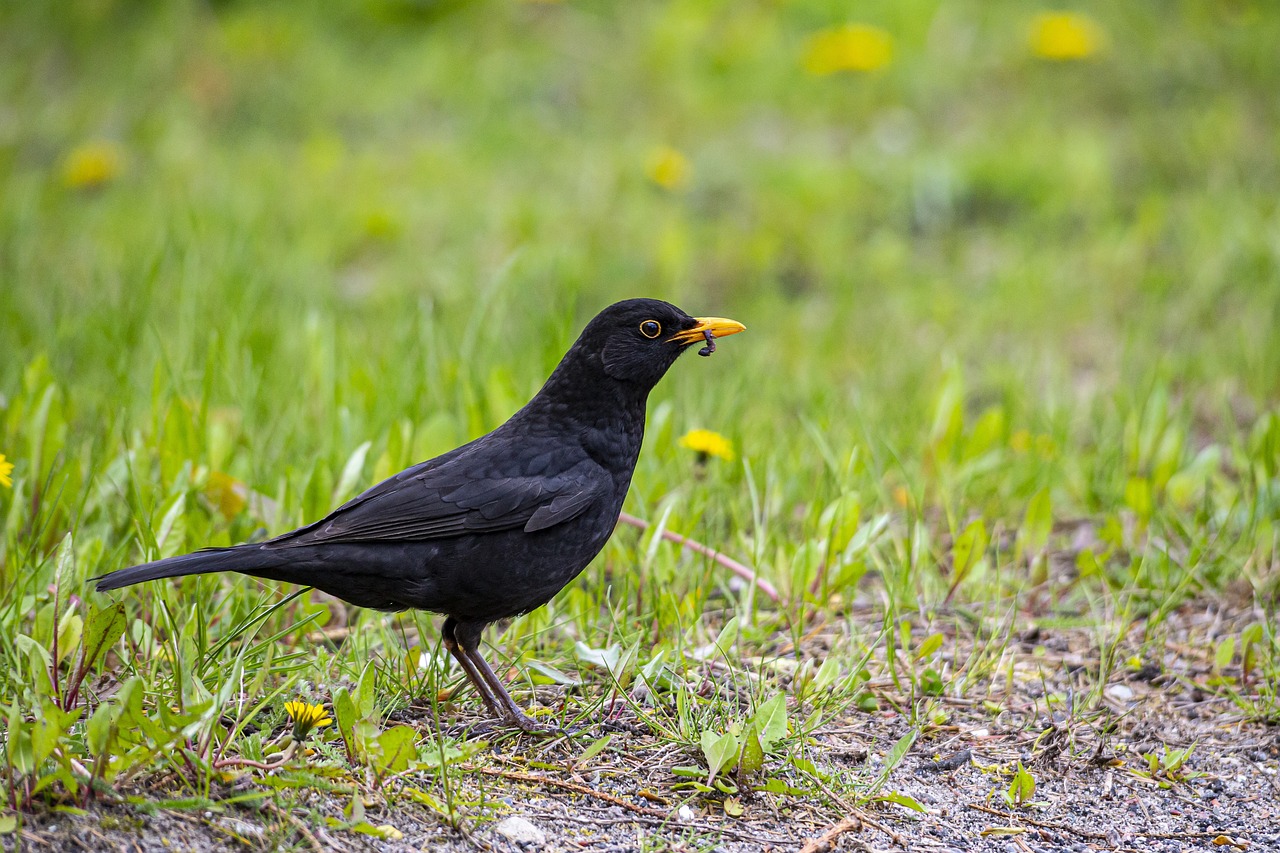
<point>460,495</point>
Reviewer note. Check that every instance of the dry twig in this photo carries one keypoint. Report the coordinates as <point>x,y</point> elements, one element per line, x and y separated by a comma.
<point>697,547</point>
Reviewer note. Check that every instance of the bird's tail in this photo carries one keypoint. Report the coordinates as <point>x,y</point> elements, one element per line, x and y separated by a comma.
<point>241,558</point>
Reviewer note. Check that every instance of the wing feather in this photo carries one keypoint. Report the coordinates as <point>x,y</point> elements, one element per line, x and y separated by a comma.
<point>460,494</point>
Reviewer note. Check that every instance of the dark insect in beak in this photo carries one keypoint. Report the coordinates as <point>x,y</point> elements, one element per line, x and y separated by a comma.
<point>711,343</point>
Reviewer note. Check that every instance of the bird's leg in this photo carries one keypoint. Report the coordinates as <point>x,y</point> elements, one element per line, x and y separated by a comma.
<point>468,638</point>
<point>475,677</point>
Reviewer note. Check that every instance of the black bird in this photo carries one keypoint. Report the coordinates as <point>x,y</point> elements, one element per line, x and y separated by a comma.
<point>498,526</point>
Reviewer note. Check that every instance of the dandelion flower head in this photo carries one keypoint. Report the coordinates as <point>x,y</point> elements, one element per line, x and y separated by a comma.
<point>852,47</point>
<point>1065,36</point>
<point>306,717</point>
<point>92,165</point>
<point>668,168</point>
<point>706,443</point>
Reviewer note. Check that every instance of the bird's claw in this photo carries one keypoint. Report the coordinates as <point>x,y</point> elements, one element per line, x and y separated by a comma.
<point>530,726</point>
<point>523,724</point>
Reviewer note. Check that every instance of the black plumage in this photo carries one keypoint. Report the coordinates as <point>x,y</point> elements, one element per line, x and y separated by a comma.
<point>498,526</point>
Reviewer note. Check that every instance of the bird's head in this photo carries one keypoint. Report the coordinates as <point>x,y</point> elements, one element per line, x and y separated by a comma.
<point>639,339</point>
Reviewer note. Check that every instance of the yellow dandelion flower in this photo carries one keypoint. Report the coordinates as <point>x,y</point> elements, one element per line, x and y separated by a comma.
<point>306,717</point>
<point>1065,36</point>
<point>380,225</point>
<point>668,168</point>
<point>706,443</point>
<point>852,47</point>
<point>226,493</point>
<point>6,468</point>
<point>92,165</point>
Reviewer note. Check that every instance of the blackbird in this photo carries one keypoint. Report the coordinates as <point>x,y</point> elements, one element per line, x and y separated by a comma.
<point>498,526</point>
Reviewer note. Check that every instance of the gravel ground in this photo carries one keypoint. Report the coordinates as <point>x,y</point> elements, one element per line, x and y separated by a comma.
<point>1094,784</point>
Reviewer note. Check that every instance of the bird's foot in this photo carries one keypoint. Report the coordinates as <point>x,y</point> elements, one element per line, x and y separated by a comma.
<point>621,726</point>
<point>530,726</point>
<point>471,731</point>
<point>504,724</point>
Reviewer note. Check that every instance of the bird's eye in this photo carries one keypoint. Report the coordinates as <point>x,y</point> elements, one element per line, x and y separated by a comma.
<point>650,328</point>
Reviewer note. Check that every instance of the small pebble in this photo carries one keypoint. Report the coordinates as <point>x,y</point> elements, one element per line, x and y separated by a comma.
<point>519,831</point>
<point>1119,692</point>
<point>684,814</point>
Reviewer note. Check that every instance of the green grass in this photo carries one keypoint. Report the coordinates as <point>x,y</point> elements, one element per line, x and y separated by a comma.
<point>1011,349</point>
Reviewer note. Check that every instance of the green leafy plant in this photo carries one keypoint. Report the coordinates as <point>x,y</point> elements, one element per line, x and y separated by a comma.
<point>740,750</point>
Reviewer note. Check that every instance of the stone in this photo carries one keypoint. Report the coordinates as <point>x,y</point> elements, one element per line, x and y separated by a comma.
<point>519,831</point>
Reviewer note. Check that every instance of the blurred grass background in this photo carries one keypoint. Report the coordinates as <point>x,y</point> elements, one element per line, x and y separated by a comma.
<point>993,266</point>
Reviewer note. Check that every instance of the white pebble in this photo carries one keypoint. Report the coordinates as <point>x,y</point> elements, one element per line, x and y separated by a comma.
<point>520,831</point>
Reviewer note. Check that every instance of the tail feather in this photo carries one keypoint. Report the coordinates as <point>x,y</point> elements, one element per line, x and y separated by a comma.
<point>240,558</point>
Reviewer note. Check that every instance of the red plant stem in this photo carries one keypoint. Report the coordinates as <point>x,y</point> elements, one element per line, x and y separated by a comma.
<point>697,547</point>
<point>219,763</point>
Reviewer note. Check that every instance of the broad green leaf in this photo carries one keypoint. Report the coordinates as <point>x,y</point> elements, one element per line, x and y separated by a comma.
<point>385,831</point>
<point>173,527</point>
<point>366,698</point>
<point>397,747</point>
<point>931,682</point>
<point>1038,523</point>
<point>594,750</point>
<point>687,772</point>
<point>948,415</point>
<point>550,674</point>
<point>719,751</point>
<point>344,715</point>
<point>351,473</point>
<point>104,627</point>
<point>18,743</point>
<point>426,799</point>
<point>606,658</point>
<point>1224,653</point>
<point>49,728</point>
<point>70,630</point>
<point>39,662</point>
<point>1021,788</point>
<point>968,551</point>
<point>893,759</point>
<point>751,759</point>
<point>902,800</point>
<point>987,433</point>
<point>1137,496</point>
<point>804,765</point>
<point>66,559</point>
<point>827,674</point>
<point>98,729</point>
<point>626,665</point>
<point>728,636</point>
<point>770,720</point>
<point>656,673</point>
<point>774,785</point>
<point>931,644</point>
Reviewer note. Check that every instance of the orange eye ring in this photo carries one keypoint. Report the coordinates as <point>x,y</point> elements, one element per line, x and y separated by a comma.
<point>650,329</point>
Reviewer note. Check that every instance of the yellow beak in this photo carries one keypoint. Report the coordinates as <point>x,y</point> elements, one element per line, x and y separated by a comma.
<point>718,327</point>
